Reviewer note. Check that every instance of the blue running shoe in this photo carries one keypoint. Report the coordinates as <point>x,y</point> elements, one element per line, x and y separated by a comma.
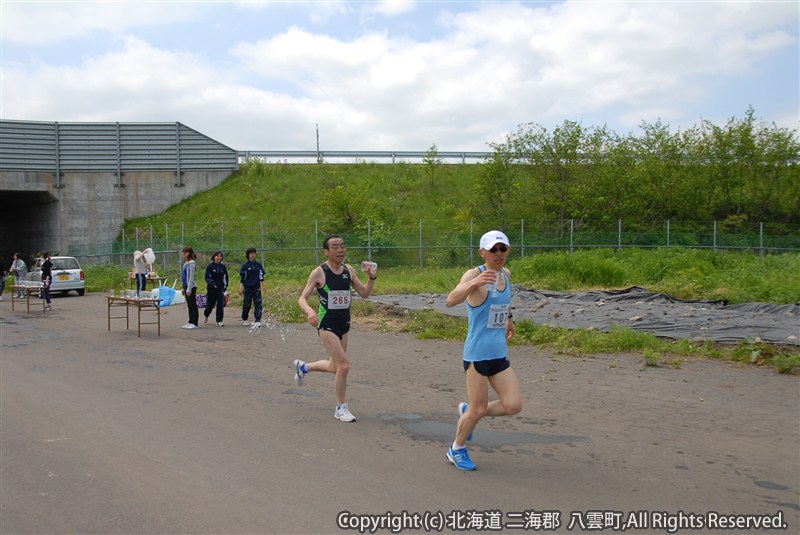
<point>460,458</point>
<point>462,408</point>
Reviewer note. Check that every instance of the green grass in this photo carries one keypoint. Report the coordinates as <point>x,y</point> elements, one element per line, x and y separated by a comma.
<point>682,273</point>
<point>737,277</point>
<point>343,198</point>
<point>335,194</point>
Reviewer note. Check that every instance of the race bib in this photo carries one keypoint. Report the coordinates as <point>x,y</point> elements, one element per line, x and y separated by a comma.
<point>498,316</point>
<point>338,299</point>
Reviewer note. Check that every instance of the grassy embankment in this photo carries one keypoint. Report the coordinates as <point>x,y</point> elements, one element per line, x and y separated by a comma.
<point>398,196</point>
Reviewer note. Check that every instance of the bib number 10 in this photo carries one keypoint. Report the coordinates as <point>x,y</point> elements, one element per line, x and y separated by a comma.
<point>498,316</point>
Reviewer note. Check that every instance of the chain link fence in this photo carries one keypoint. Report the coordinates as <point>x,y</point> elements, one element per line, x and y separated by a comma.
<point>430,244</point>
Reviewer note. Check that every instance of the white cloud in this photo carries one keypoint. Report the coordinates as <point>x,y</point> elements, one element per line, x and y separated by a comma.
<point>484,71</point>
<point>38,23</point>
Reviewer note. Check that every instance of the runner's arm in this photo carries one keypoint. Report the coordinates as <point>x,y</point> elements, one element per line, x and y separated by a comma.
<point>315,280</point>
<point>363,290</point>
<point>472,281</point>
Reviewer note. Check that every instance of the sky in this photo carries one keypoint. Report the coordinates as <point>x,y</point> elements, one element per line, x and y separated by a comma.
<point>398,75</point>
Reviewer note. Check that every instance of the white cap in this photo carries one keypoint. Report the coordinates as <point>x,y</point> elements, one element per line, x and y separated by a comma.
<point>492,237</point>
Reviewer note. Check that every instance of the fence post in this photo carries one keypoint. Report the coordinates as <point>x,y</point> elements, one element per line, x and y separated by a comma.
<point>471,243</point>
<point>667,232</point>
<point>262,241</point>
<point>316,242</point>
<point>122,252</point>
<point>166,245</point>
<point>715,235</point>
<point>619,233</point>
<point>522,237</point>
<point>761,238</point>
<point>369,240</point>
<point>571,235</point>
<point>420,244</point>
<point>137,239</point>
<point>222,235</point>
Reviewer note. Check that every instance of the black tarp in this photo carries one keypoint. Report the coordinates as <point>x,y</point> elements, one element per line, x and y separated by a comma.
<point>638,309</point>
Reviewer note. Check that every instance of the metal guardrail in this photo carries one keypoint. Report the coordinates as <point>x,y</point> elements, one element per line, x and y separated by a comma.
<point>371,155</point>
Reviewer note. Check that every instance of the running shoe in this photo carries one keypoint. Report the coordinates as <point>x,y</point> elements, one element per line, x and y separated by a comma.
<point>462,408</point>
<point>460,458</point>
<point>343,413</point>
<point>245,323</point>
<point>190,326</point>
<point>220,324</point>
<point>298,375</point>
<point>205,319</point>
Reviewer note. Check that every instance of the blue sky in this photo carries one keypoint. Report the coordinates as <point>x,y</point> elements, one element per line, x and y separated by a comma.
<point>398,75</point>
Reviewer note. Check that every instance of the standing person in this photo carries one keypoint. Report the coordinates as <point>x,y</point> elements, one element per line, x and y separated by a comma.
<point>332,281</point>
<point>47,278</point>
<point>487,291</point>
<point>140,271</point>
<point>189,286</point>
<point>252,275</point>
<point>20,271</point>
<point>217,281</point>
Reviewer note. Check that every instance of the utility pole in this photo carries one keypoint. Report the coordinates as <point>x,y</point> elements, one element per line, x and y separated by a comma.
<point>319,156</point>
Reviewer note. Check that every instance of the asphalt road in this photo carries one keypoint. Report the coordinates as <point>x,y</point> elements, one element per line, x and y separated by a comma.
<point>204,432</point>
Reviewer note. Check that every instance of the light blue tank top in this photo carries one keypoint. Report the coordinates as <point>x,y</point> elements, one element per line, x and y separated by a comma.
<point>486,337</point>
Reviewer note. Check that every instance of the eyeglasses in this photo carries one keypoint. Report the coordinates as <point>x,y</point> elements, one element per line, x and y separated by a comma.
<point>337,246</point>
<point>502,247</point>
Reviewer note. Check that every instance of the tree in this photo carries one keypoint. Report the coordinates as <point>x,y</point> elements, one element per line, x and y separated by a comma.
<point>495,188</point>
<point>432,161</point>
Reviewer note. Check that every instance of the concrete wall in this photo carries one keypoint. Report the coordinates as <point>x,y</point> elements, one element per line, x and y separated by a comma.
<point>90,208</point>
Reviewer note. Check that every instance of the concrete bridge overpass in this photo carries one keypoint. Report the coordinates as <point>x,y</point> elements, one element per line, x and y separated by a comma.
<point>68,184</point>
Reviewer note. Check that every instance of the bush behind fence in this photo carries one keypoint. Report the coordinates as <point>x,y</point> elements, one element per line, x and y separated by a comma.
<point>431,244</point>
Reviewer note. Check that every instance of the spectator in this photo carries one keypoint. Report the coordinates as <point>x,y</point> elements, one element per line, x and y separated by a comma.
<point>217,289</point>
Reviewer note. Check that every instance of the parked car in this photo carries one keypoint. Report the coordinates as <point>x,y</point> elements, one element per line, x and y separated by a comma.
<point>67,274</point>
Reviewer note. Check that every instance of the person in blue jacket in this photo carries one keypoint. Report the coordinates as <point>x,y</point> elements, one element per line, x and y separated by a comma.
<point>217,288</point>
<point>252,275</point>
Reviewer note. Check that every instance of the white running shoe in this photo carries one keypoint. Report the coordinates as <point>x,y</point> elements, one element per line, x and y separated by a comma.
<point>190,326</point>
<point>220,324</point>
<point>185,325</point>
<point>298,375</point>
<point>205,319</point>
<point>343,413</point>
<point>245,323</point>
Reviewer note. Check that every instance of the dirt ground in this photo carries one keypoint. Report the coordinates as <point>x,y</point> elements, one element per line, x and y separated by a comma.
<point>204,431</point>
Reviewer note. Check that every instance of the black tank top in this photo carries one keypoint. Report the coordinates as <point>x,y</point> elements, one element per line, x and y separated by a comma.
<point>334,297</point>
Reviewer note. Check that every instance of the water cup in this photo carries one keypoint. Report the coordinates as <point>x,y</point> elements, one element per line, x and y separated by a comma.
<point>493,287</point>
<point>495,293</point>
<point>366,265</point>
<point>111,292</point>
